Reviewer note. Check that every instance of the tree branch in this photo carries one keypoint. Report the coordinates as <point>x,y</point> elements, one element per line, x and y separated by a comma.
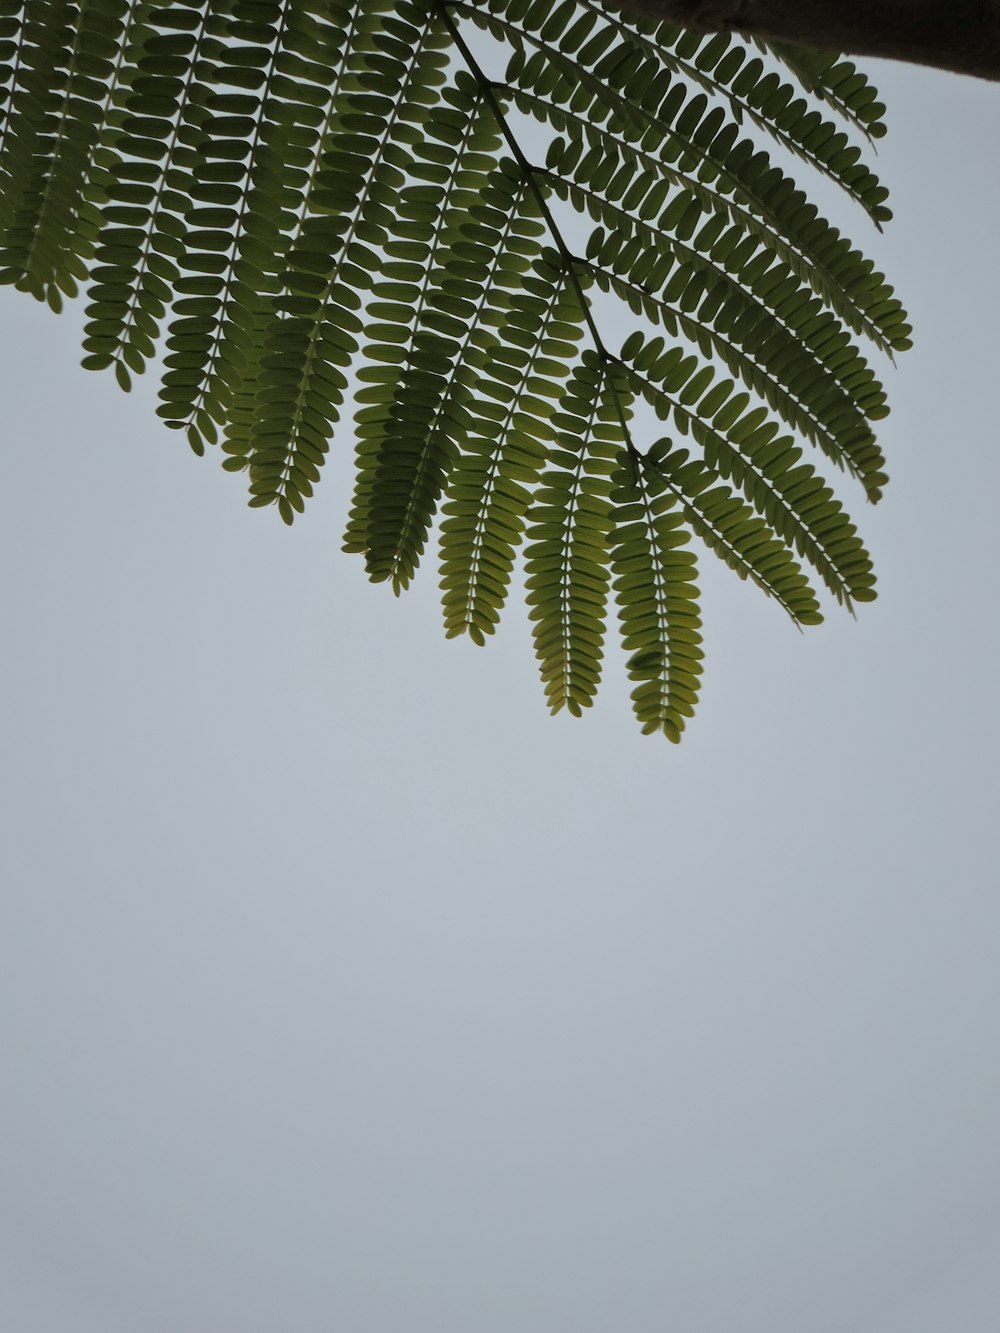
<point>958,35</point>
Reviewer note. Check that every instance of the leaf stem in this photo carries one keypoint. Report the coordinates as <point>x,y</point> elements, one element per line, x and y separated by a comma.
<point>488,88</point>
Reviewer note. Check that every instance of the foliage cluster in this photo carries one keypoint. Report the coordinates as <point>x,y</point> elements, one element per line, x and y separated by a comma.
<point>263,198</point>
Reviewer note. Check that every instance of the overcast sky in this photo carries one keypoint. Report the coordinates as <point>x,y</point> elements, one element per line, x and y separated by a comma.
<point>342,989</point>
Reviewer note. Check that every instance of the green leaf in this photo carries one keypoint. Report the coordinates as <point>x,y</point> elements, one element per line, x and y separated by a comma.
<point>273,206</point>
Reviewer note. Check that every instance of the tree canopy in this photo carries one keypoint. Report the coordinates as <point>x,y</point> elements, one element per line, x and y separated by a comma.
<point>437,212</point>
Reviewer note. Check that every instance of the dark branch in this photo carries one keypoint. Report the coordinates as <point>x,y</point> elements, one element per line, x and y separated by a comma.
<point>958,35</point>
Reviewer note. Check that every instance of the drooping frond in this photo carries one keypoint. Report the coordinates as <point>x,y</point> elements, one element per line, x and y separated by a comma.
<point>489,492</point>
<point>566,560</point>
<point>657,593</point>
<point>418,407</point>
<point>744,447</point>
<point>432,209</point>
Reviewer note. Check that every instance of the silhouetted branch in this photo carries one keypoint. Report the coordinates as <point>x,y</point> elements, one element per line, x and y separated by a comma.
<point>958,35</point>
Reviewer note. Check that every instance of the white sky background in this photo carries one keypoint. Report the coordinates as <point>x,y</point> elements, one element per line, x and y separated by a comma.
<point>342,989</point>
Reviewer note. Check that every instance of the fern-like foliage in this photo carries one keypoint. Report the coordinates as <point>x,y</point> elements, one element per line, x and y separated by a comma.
<point>432,208</point>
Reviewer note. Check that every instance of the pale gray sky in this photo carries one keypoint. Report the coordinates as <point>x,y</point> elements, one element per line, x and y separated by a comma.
<point>342,989</point>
